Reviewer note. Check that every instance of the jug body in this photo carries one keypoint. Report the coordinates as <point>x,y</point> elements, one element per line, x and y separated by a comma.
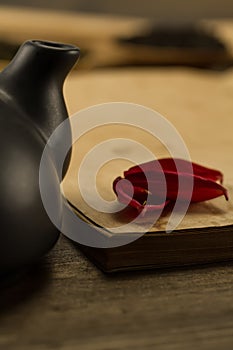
<point>31,107</point>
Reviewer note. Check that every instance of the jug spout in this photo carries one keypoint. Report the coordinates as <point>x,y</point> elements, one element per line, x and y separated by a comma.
<point>34,81</point>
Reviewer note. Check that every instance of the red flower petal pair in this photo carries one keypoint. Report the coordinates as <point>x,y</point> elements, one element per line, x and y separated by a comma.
<point>143,185</point>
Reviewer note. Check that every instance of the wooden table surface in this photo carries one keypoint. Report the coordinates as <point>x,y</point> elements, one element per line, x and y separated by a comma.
<point>65,302</point>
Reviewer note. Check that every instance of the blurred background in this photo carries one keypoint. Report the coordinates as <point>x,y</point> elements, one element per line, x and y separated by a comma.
<point>159,9</point>
<point>111,33</point>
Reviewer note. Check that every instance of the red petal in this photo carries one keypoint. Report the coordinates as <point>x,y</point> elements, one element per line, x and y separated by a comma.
<point>169,164</point>
<point>203,189</point>
<point>138,201</point>
<point>206,189</point>
<point>148,176</point>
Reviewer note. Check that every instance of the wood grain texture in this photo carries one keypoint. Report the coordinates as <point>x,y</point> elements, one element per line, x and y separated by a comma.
<point>68,304</point>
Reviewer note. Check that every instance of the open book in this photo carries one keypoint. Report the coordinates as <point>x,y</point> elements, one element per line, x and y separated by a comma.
<point>200,105</point>
<point>204,235</point>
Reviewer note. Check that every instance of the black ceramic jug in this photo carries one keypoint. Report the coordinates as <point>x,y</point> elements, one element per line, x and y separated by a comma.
<point>31,107</point>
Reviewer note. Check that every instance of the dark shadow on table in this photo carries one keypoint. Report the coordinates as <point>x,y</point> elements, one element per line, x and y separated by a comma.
<point>22,286</point>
